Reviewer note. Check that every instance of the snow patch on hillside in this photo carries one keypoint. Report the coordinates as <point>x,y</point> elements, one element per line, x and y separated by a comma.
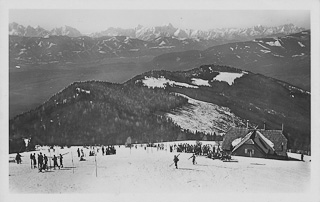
<point>301,44</point>
<point>228,77</point>
<point>203,116</point>
<point>162,43</point>
<point>263,46</point>
<point>200,82</point>
<point>265,51</point>
<point>51,44</point>
<point>276,55</point>
<point>302,54</point>
<point>273,43</point>
<point>162,82</point>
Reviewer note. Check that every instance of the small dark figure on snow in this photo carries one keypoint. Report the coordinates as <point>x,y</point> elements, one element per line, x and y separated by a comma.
<point>175,160</point>
<point>45,165</point>
<point>193,159</point>
<point>103,151</point>
<point>18,158</point>
<point>78,150</point>
<point>55,162</point>
<point>40,162</point>
<point>61,164</point>
<point>302,157</point>
<point>31,159</point>
<point>34,160</point>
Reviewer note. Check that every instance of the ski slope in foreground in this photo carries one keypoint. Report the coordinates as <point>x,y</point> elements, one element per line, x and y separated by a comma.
<point>148,171</point>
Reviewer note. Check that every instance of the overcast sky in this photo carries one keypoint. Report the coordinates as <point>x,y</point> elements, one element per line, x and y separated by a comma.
<point>87,21</point>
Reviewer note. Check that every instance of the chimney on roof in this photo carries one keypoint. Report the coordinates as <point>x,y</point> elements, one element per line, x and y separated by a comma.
<point>264,125</point>
<point>247,124</point>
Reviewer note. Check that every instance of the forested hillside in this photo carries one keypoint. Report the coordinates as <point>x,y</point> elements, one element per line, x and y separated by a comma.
<point>99,113</point>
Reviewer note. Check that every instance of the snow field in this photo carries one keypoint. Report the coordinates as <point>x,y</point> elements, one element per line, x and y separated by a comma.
<point>148,171</point>
<point>195,116</point>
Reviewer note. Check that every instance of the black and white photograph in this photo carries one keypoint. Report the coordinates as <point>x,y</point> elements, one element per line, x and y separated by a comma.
<point>160,100</point>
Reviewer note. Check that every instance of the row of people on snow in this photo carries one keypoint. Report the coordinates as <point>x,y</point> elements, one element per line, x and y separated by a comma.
<point>199,149</point>
<point>41,161</point>
<point>108,150</point>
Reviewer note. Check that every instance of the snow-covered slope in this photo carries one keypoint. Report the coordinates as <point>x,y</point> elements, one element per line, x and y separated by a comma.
<point>204,117</point>
<point>148,171</point>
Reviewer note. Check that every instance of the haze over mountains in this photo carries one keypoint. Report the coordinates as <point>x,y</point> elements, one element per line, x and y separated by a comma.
<point>151,33</point>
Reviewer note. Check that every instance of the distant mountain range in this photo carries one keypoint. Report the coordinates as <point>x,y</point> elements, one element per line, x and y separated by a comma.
<point>286,58</point>
<point>151,33</point>
<point>20,30</point>
<point>62,49</point>
<point>163,105</point>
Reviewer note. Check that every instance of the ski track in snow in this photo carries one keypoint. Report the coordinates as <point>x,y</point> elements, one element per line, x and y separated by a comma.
<point>147,171</point>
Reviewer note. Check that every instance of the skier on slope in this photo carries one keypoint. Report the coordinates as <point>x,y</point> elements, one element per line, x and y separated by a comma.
<point>61,164</point>
<point>193,158</point>
<point>31,159</point>
<point>18,158</point>
<point>78,150</point>
<point>45,165</point>
<point>40,162</point>
<point>34,160</point>
<point>175,160</point>
<point>55,163</point>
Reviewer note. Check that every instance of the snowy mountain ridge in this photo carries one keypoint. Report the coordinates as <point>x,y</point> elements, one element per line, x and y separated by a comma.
<point>20,30</point>
<point>151,33</point>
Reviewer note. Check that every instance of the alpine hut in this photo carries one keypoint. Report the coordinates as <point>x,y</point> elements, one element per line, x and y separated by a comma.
<point>258,143</point>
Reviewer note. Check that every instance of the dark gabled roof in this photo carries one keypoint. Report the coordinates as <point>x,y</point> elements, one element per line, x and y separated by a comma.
<point>232,134</point>
<point>275,136</point>
<point>256,138</point>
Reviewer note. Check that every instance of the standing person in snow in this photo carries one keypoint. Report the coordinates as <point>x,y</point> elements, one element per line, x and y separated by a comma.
<point>175,160</point>
<point>55,163</point>
<point>61,164</point>
<point>34,160</point>
<point>18,158</point>
<point>40,162</point>
<point>82,153</point>
<point>102,150</point>
<point>193,159</point>
<point>78,150</point>
<point>45,165</point>
<point>302,156</point>
<point>31,159</point>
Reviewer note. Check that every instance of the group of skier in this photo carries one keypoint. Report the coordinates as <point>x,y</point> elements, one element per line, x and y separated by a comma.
<point>108,150</point>
<point>42,163</point>
<point>198,148</point>
<point>176,159</point>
